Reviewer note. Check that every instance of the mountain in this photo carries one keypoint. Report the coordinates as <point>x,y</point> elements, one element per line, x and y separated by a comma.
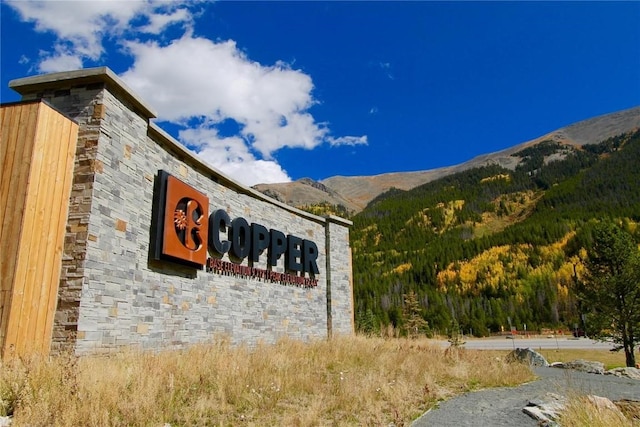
<point>352,194</point>
<point>500,245</point>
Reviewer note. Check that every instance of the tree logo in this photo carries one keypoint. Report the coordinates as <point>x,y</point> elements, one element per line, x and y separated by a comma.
<point>188,221</point>
<point>185,225</point>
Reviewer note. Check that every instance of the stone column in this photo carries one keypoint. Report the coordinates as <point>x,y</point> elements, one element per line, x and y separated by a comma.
<point>340,307</point>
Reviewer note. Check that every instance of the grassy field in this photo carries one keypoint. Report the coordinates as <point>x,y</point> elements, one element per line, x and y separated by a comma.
<point>343,381</point>
<point>609,358</point>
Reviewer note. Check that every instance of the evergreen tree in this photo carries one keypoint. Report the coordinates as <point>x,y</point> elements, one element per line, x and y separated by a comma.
<point>414,323</point>
<point>454,336</point>
<point>611,289</point>
<point>367,322</point>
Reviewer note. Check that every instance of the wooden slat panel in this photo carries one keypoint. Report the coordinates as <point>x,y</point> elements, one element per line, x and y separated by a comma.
<point>25,270</point>
<point>52,146</point>
<point>38,149</point>
<point>17,142</point>
<point>8,120</point>
<point>20,131</point>
<point>69,137</point>
<point>56,140</point>
<point>41,236</point>
<point>7,153</point>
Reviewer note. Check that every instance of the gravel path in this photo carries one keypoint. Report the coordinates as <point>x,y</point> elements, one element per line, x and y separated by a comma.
<point>502,407</point>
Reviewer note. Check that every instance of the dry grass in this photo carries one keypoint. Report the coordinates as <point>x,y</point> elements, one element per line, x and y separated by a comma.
<point>344,381</point>
<point>584,411</point>
<point>581,410</point>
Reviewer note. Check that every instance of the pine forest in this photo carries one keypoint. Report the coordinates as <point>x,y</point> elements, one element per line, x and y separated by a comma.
<point>491,249</point>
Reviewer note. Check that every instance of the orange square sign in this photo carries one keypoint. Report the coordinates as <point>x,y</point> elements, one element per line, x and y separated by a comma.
<point>186,222</point>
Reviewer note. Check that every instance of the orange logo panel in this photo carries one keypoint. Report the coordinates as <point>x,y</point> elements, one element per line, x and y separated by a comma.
<point>186,222</point>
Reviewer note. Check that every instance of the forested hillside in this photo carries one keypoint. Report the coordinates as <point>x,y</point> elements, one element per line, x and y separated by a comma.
<point>489,247</point>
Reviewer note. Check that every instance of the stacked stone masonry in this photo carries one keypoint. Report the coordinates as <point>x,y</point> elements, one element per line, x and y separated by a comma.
<point>113,293</point>
<point>77,103</point>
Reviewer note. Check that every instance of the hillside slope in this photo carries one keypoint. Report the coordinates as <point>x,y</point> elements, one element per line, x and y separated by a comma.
<point>355,192</point>
<point>491,246</point>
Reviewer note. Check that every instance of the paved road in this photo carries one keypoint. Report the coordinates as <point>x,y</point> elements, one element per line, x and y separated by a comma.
<point>502,407</point>
<point>560,342</point>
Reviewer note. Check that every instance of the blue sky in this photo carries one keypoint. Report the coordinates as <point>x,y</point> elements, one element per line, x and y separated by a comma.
<point>277,91</point>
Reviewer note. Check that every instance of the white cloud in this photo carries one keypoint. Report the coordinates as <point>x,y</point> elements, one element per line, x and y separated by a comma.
<point>254,172</point>
<point>215,81</point>
<point>159,22</point>
<point>348,140</point>
<point>194,76</point>
<point>59,61</point>
<point>81,25</point>
<point>191,80</point>
<point>231,156</point>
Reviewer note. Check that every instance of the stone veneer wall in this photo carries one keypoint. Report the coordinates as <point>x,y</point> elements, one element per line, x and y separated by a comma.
<point>83,104</point>
<point>341,286</point>
<point>112,292</point>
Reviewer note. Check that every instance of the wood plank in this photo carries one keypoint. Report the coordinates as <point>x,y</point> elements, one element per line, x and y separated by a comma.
<point>9,152</point>
<point>21,290</point>
<point>57,139</point>
<point>15,175</point>
<point>8,115</point>
<point>69,138</point>
<point>10,118</point>
<point>53,149</point>
<point>38,152</point>
<point>48,141</point>
<point>19,140</point>
<point>14,179</point>
<point>35,235</point>
<point>8,143</point>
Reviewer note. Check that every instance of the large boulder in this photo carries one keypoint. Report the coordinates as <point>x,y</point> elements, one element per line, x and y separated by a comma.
<point>527,355</point>
<point>614,409</point>
<point>546,410</point>
<point>633,373</point>
<point>588,366</point>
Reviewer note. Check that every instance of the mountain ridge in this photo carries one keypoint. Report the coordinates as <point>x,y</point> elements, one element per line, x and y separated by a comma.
<point>489,247</point>
<point>355,192</point>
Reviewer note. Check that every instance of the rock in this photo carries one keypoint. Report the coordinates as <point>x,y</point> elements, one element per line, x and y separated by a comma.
<point>545,411</point>
<point>5,421</point>
<point>604,404</point>
<point>581,365</point>
<point>532,357</point>
<point>628,372</point>
<point>539,415</point>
